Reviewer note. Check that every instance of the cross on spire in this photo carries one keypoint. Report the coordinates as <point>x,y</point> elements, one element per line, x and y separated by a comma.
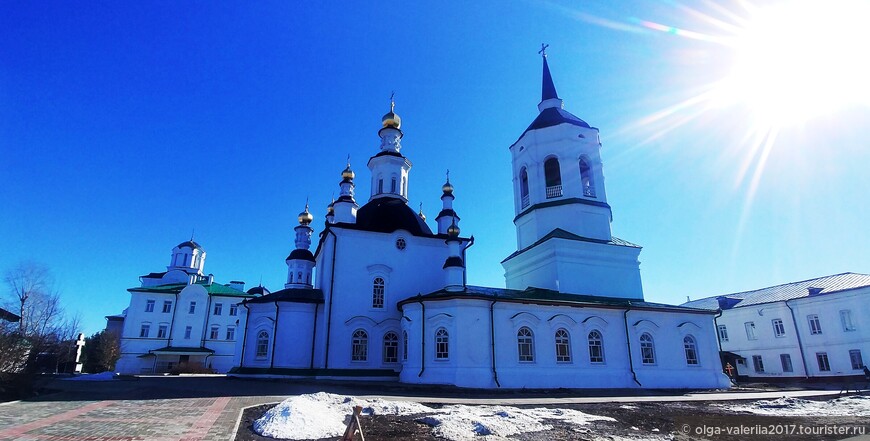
<point>543,50</point>
<point>392,101</point>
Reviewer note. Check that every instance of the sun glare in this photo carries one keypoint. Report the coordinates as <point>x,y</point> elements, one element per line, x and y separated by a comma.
<point>799,60</point>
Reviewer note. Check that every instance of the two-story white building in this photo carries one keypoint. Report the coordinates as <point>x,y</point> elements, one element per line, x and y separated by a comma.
<point>181,316</point>
<point>816,328</point>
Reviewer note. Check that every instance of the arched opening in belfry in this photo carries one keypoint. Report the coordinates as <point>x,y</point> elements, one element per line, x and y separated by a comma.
<point>552,178</point>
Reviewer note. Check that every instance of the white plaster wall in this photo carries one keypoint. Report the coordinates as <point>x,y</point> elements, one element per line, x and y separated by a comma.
<point>469,364</point>
<point>295,331</point>
<point>577,267</point>
<point>834,340</point>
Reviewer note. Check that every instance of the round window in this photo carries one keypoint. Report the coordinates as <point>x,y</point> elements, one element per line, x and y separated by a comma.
<point>400,243</point>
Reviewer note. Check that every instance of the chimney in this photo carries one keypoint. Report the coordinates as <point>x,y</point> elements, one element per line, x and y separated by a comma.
<point>237,284</point>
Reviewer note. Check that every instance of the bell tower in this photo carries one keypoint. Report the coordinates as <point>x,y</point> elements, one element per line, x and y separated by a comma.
<point>562,220</point>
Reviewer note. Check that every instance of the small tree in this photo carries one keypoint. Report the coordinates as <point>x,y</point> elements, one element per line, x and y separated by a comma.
<point>44,330</point>
<point>102,350</point>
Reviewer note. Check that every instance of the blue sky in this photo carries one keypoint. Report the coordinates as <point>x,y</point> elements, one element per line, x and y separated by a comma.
<point>125,126</point>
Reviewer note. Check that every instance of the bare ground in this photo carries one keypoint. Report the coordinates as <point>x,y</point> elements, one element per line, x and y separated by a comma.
<point>648,420</point>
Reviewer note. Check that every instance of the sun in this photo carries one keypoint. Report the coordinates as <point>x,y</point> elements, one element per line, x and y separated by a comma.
<point>798,60</point>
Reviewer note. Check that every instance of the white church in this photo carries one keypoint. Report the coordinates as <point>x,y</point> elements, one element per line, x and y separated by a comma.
<point>389,298</point>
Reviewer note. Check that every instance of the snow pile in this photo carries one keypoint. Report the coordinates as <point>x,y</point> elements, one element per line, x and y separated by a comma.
<point>324,415</point>
<point>102,376</point>
<point>846,406</point>
<point>460,423</point>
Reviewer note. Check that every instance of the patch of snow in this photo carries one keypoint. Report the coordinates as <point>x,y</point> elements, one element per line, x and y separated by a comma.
<point>324,415</point>
<point>102,376</point>
<point>846,406</point>
<point>626,406</point>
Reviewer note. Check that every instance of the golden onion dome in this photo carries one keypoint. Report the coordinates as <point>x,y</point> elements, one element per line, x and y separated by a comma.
<point>391,119</point>
<point>330,208</point>
<point>453,230</point>
<point>447,187</point>
<point>347,173</point>
<point>305,217</point>
<point>422,216</point>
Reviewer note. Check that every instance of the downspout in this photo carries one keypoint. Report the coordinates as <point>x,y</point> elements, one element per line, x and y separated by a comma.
<point>205,325</point>
<point>797,332</point>
<point>274,336</point>
<point>172,325</point>
<point>716,327</point>
<point>465,266</point>
<point>244,335</point>
<point>422,338</point>
<point>331,295</point>
<point>628,345</point>
<point>313,335</point>
<point>492,340</point>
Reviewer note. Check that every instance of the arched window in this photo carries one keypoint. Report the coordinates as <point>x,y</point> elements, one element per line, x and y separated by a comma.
<point>647,349</point>
<point>391,347</point>
<point>524,187</point>
<point>596,347</point>
<point>553,178</point>
<point>563,346</point>
<point>380,186</point>
<point>359,346</point>
<point>404,345</point>
<point>691,350</point>
<point>442,344</point>
<point>525,344</point>
<point>586,179</point>
<point>291,277</point>
<point>378,293</point>
<point>262,344</point>
<point>393,185</point>
<point>299,276</point>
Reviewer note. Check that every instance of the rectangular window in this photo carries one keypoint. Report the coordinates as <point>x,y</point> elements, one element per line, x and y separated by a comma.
<point>785,359</point>
<point>187,332</point>
<point>218,308</point>
<point>149,306</point>
<point>822,358</point>
<point>380,186</point>
<point>723,332</point>
<point>167,306</point>
<point>231,333</point>
<point>778,328</point>
<point>750,330</point>
<point>214,332</point>
<point>758,363</point>
<point>393,185</point>
<point>192,308</point>
<point>815,325</point>
<point>857,361</point>
<point>145,330</point>
<point>161,331</point>
<point>846,320</point>
<point>234,310</point>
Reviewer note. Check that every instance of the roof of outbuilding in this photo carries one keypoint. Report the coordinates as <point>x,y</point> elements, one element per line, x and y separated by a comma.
<point>214,289</point>
<point>8,316</point>
<point>298,295</point>
<point>546,296</point>
<point>559,233</point>
<point>787,291</point>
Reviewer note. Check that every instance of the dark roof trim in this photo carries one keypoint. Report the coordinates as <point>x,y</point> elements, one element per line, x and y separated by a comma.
<point>565,201</point>
<point>8,316</point>
<point>447,212</point>
<point>559,233</point>
<point>454,261</point>
<point>292,295</point>
<point>628,303</point>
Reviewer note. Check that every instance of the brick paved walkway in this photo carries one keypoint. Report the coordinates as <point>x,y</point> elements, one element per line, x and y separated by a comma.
<point>208,409</point>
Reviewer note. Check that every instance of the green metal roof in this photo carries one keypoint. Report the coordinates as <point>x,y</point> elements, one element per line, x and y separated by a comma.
<point>213,289</point>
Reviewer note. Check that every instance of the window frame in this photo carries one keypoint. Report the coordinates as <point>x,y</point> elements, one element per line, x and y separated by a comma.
<point>167,306</point>
<point>690,348</point>
<point>815,324</point>
<point>785,361</point>
<point>846,320</point>
<point>214,332</point>
<point>145,330</point>
<point>647,349</point>
<point>563,346</point>
<point>859,365</point>
<point>778,328</point>
<point>149,305</point>
<point>359,346</point>
<point>261,345</point>
<point>758,364</point>
<point>188,330</point>
<point>442,344</point>
<point>162,330</point>
<point>191,309</point>
<point>823,362</point>
<point>379,292</point>
<point>722,331</point>
<point>593,342</point>
<point>390,347</point>
<point>750,330</point>
<point>525,340</point>
<point>218,309</point>
<point>234,310</point>
<point>231,333</point>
